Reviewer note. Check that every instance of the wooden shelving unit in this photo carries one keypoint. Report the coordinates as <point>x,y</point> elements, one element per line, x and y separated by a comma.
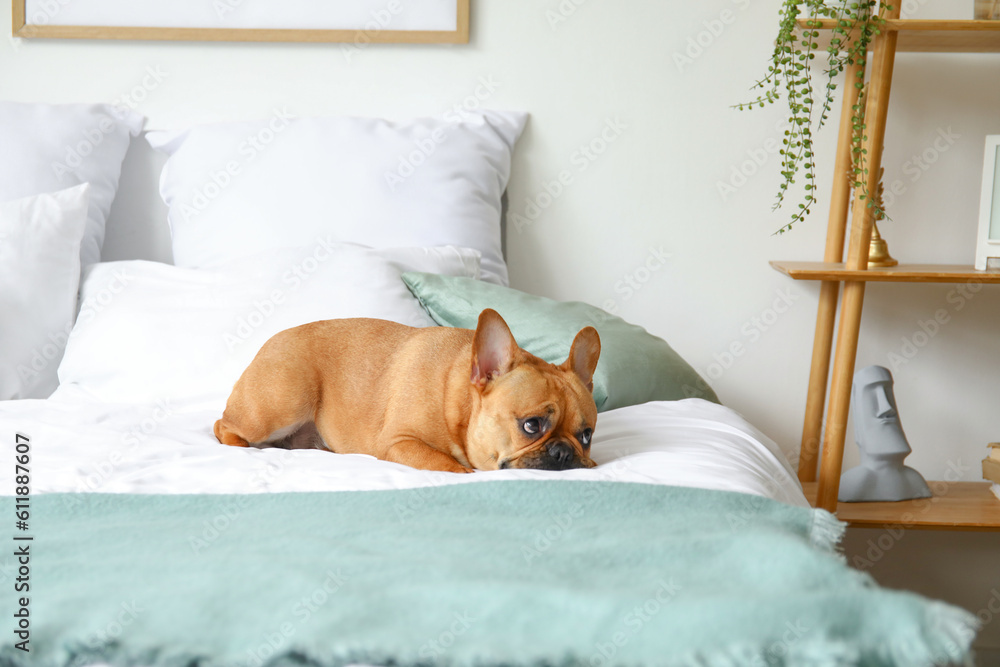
<point>956,506</point>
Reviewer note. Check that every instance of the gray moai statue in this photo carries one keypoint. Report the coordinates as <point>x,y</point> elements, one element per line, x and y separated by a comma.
<point>881,475</point>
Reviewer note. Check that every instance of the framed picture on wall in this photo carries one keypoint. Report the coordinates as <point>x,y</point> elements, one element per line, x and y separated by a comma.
<point>988,245</point>
<point>352,21</point>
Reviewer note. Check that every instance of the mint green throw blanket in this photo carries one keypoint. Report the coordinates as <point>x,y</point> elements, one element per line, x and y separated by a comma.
<point>492,573</point>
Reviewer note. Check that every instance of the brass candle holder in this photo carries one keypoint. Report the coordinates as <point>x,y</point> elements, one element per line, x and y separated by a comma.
<point>878,249</point>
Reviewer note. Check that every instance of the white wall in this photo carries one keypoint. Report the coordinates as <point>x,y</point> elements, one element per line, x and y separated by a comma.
<point>655,187</point>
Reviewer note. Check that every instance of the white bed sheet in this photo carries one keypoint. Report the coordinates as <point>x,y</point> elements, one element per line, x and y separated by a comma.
<point>81,445</point>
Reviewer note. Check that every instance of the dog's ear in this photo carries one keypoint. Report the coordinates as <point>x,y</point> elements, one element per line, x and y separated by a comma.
<point>583,356</point>
<point>493,348</point>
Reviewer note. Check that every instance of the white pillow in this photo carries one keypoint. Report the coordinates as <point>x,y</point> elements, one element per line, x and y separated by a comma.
<point>49,147</point>
<point>148,331</point>
<point>39,276</point>
<point>234,189</point>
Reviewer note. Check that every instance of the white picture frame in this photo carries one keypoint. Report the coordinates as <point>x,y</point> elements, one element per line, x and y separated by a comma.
<point>988,240</point>
<point>357,21</point>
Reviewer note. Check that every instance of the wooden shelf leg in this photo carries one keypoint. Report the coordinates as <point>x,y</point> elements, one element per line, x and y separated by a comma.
<point>812,427</point>
<point>826,315</point>
<point>876,112</point>
<point>840,395</point>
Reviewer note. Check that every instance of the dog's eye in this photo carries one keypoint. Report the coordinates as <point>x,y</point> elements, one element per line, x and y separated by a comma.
<point>531,426</point>
<point>585,437</point>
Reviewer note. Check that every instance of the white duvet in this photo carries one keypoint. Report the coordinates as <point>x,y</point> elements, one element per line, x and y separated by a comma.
<point>79,445</point>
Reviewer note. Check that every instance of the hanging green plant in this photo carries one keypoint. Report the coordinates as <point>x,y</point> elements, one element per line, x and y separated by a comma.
<point>856,23</point>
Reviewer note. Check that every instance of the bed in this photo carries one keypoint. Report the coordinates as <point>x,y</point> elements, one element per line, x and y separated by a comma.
<point>140,540</point>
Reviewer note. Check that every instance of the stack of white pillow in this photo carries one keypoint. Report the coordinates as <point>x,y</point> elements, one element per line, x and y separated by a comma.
<point>59,171</point>
<point>274,223</point>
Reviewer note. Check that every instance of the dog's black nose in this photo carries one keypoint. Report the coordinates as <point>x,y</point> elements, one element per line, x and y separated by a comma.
<point>559,452</point>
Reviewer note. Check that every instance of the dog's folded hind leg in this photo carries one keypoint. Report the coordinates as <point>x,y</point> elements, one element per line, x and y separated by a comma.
<point>227,436</point>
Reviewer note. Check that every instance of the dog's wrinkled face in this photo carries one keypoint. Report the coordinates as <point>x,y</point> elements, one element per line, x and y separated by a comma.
<point>530,413</point>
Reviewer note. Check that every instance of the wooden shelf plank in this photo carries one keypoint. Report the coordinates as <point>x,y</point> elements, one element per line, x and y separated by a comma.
<point>955,506</point>
<point>925,36</point>
<point>902,273</point>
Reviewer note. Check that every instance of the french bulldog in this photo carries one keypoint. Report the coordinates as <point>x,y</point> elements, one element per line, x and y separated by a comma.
<point>435,398</point>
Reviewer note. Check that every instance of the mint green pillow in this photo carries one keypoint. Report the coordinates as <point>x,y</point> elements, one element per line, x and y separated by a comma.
<point>635,366</point>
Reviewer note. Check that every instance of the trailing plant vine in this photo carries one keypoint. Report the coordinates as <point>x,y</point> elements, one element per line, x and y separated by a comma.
<point>855,25</point>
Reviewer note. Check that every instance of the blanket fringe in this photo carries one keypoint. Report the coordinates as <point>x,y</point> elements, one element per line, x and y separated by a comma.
<point>945,638</point>
<point>826,531</point>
